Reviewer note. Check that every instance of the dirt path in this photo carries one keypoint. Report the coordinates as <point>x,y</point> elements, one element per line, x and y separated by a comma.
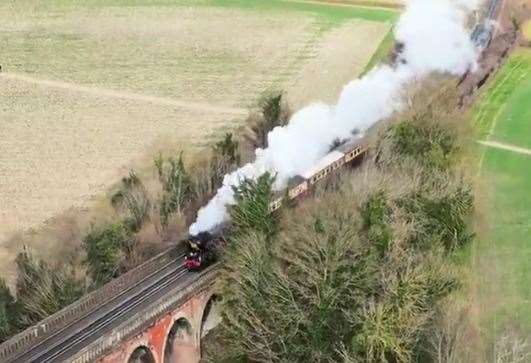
<point>503,146</point>
<point>108,93</point>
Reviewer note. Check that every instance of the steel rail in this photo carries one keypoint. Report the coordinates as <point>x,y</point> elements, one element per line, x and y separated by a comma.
<point>110,307</point>
<point>32,337</point>
<point>144,317</point>
<point>108,319</point>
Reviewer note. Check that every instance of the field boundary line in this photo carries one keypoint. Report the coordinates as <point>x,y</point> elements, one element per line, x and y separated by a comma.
<point>496,91</point>
<point>504,146</point>
<point>109,93</point>
<point>383,5</point>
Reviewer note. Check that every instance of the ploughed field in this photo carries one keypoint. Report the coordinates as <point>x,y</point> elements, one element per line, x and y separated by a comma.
<point>90,88</point>
<point>502,255</point>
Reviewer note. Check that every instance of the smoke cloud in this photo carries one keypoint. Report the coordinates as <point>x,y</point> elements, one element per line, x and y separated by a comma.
<point>435,40</point>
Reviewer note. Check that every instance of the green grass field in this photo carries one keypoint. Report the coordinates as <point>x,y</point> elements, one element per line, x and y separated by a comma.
<point>502,254</point>
<point>382,52</point>
<point>506,104</point>
<point>330,14</point>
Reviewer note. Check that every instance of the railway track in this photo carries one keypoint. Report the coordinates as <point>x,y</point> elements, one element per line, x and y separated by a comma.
<point>88,328</point>
<point>483,32</point>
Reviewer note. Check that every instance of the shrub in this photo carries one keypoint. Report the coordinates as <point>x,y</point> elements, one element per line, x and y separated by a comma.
<point>228,149</point>
<point>106,249</point>
<point>441,219</point>
<point>273,113</point>
<point>375,214</point>
<point>225,158</point>
<point>9,312</point>
<point>176,186</point>
<point>426,143</point>
<point>42,289</point>
<point>132,199</point>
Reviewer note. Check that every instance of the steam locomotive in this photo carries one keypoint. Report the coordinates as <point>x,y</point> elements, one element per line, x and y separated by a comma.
<point>204,248</point>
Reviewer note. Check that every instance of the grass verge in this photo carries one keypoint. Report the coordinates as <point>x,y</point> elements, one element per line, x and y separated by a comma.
<point>331,13</point>
<point>382,52</point>
<point>501,255</point>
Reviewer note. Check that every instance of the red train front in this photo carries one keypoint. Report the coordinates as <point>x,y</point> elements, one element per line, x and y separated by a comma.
<point>203,250</point>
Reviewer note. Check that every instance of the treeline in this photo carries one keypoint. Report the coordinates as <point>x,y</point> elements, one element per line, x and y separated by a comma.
<point>363,271</point>
<point>149,212</point>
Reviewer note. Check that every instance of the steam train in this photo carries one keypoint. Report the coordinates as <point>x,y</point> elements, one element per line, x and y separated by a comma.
<point>204,248</point>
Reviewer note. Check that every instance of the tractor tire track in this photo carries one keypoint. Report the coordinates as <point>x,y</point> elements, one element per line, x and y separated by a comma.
<point>109,93</point>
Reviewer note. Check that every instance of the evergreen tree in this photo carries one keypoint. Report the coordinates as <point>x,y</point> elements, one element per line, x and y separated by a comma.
<point>9,312</point>
<point>176,186</point>
<point>272,114</point>
<point>228,149</point>
<point>132,199</point>
<point>251,211</point>
<point>225,158</point>
<point>105,251</point>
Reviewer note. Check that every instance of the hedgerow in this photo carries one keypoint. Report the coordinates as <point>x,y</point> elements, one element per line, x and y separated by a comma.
<point>362,273</point>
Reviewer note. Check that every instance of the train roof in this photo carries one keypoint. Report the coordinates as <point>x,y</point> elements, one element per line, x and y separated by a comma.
<point>296,180</point>
<point>325,161</point>
<point>352,143</point>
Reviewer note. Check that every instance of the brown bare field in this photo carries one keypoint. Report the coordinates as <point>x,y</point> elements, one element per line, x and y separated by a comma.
<point>526,30</point>
<point>322,78</point>
<point>86,93</point>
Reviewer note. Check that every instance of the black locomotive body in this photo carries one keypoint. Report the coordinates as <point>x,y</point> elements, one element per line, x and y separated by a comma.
<point>203,250</point>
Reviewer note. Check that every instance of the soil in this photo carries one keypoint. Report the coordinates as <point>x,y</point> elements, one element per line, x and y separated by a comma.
<point>526,30</point>
<point>323,77</point>
<point>86,94</point>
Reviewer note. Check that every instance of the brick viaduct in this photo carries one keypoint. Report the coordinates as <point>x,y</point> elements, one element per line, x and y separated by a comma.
<point>168,329</point>
<point>174,337</point>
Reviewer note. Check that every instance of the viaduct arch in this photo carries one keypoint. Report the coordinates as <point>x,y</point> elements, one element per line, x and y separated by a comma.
<point>141,354</point>
<point>174,337</point>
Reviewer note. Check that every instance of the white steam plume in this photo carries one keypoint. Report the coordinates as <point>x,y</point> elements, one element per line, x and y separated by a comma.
<point>435,40</point>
